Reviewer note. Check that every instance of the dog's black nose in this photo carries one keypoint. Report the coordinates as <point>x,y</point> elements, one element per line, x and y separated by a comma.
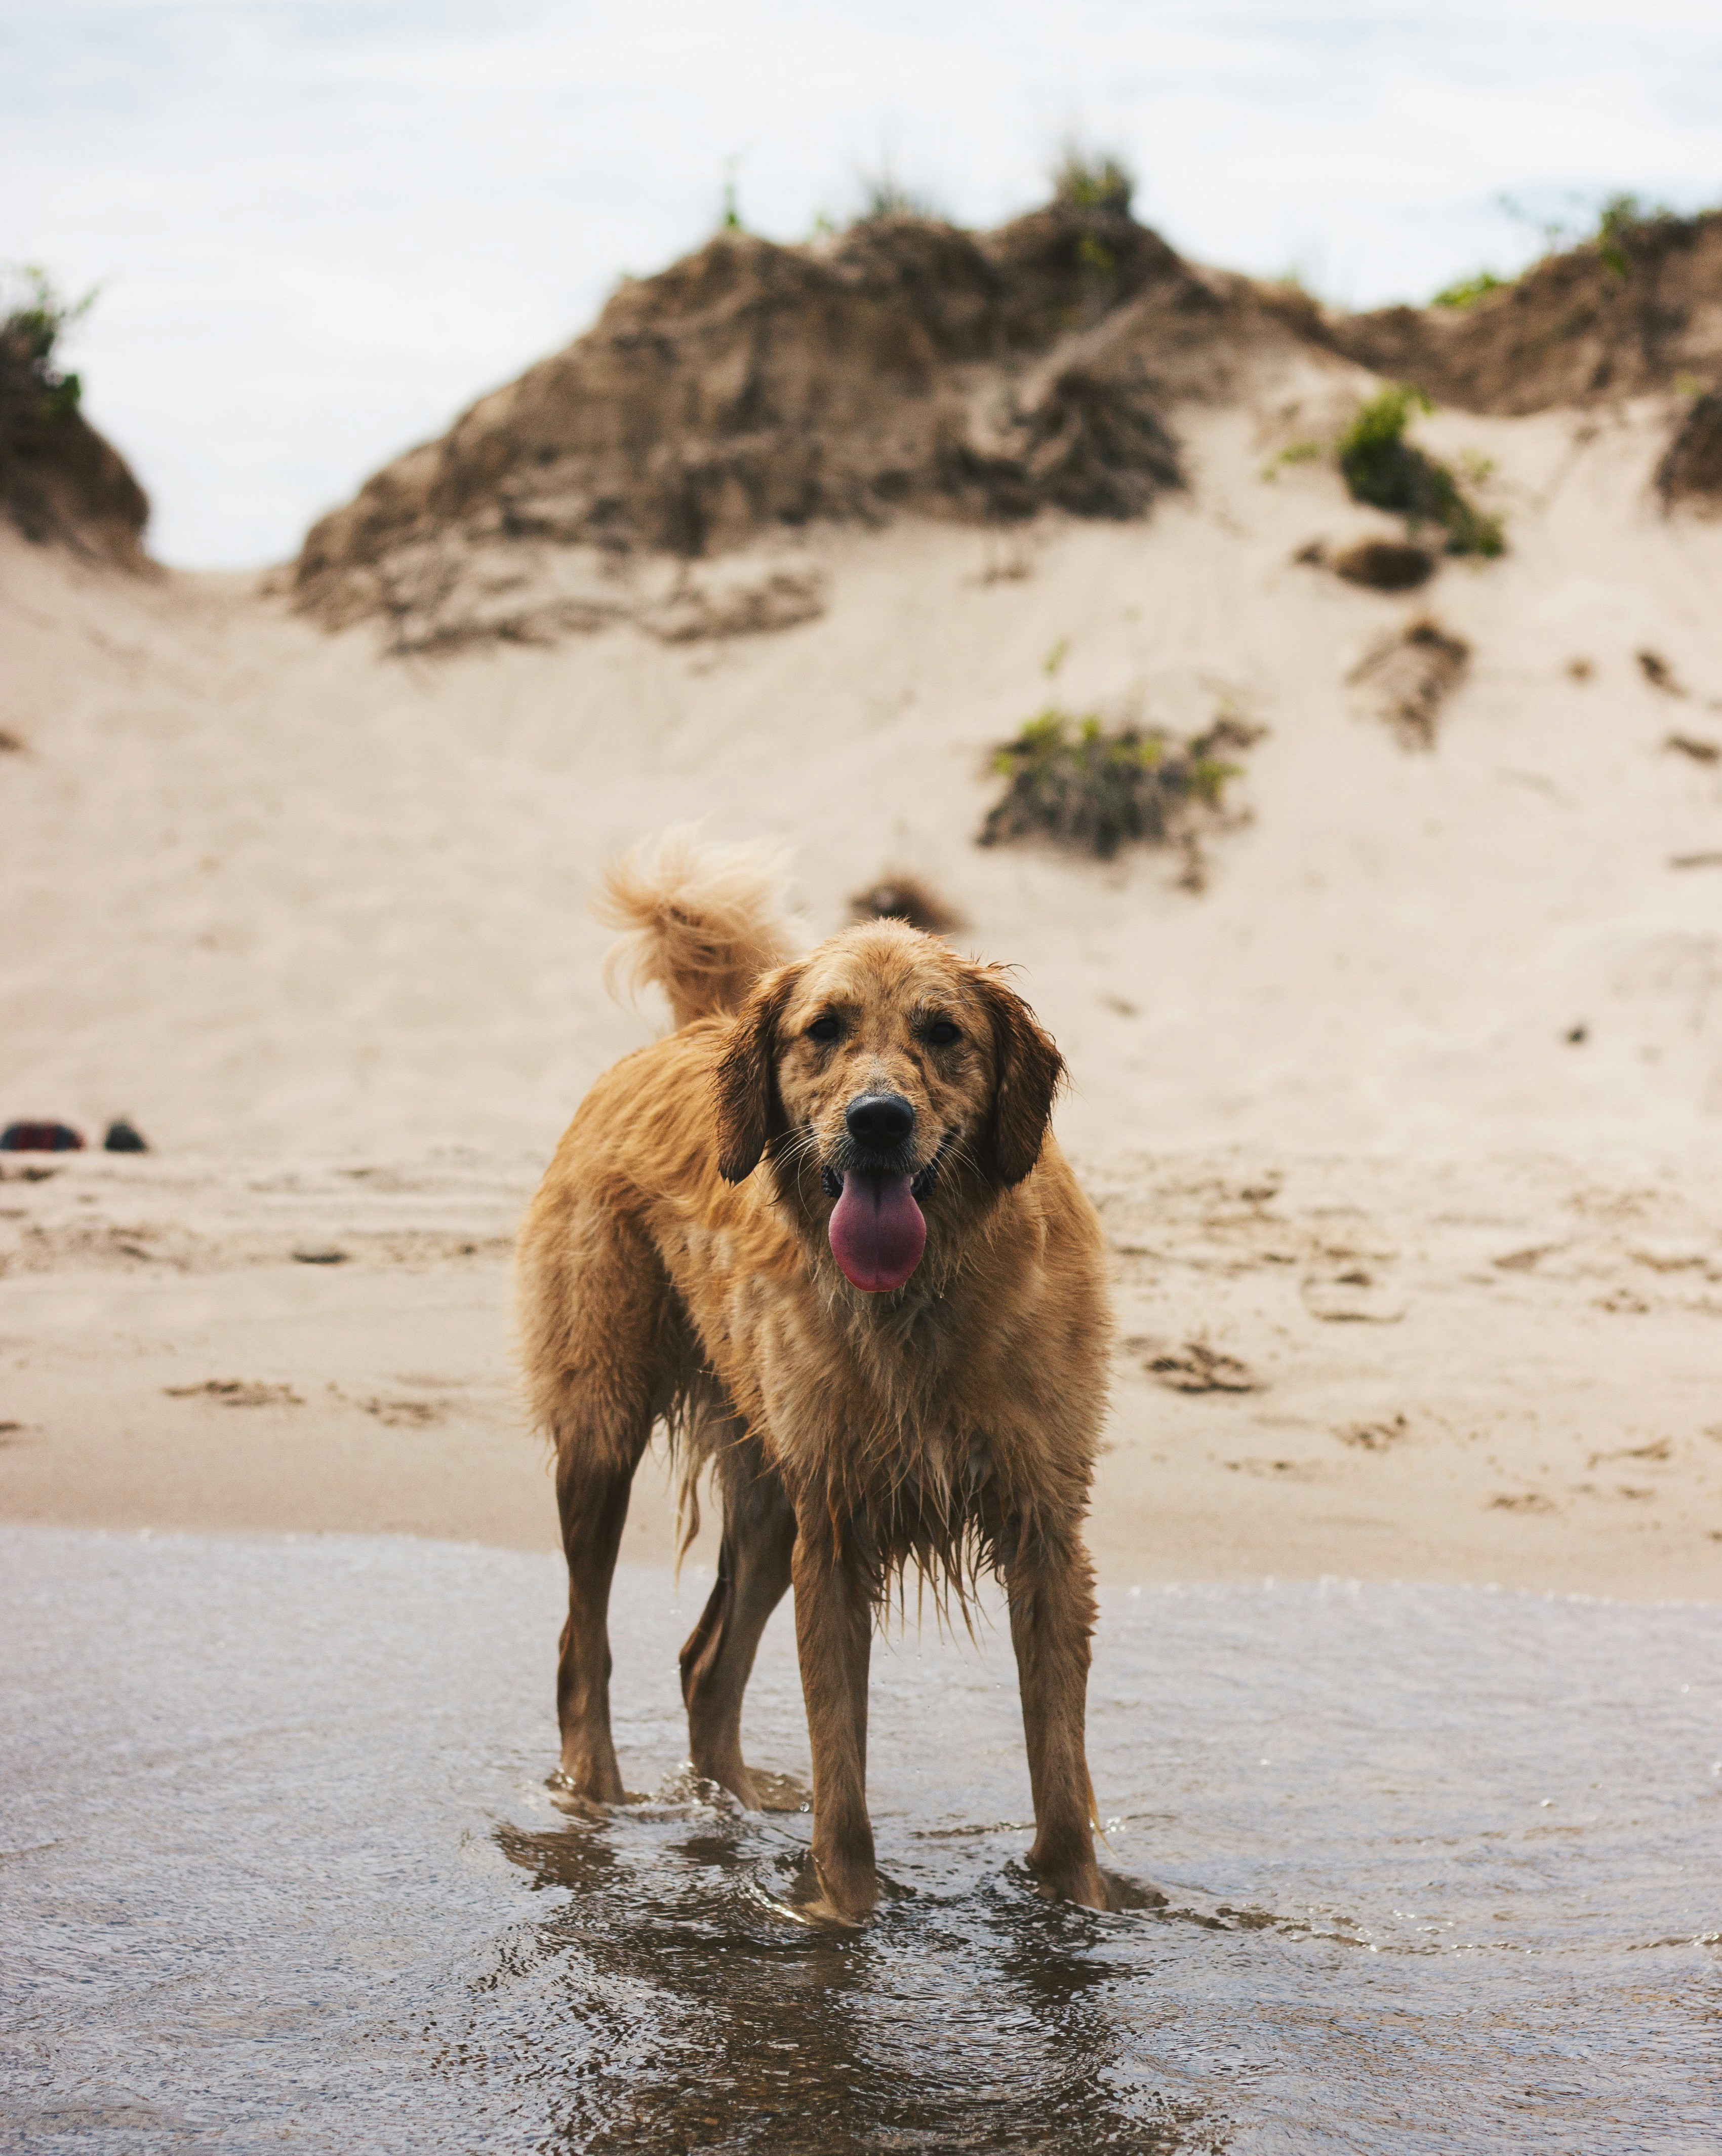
<point>882,1121</point>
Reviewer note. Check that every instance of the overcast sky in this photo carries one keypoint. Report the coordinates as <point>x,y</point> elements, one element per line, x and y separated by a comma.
<point>322,227</point>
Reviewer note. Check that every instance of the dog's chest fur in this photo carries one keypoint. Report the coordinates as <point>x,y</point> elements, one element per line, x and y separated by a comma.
<point>911,1408</point>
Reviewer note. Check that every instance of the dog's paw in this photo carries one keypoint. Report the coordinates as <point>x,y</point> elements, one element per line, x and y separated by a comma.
<point>812,1899</point>
<point>572,1800</point>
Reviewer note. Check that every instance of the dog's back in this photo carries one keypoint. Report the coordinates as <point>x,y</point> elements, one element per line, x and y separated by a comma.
<point>702,922</point>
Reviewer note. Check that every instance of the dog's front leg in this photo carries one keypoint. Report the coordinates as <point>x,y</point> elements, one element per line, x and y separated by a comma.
<point>833,1632</point>
<point>1050,1583</point>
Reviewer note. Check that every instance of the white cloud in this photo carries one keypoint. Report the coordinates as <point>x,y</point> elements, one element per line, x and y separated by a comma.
<point>326,225</point>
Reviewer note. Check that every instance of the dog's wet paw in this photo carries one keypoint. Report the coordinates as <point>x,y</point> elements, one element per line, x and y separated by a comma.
<point>576,1804</point>
<point>808,1899</point>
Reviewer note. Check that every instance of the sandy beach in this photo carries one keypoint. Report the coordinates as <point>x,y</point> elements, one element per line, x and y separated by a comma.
<point>1404,1128</point>
<point>1459,1372</point>
<point>1338,772</point>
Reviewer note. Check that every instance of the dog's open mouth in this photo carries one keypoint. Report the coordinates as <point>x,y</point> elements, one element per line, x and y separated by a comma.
<point>877,1231</point>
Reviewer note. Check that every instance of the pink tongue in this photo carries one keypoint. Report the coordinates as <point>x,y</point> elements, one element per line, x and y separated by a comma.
<point>877,1231</point>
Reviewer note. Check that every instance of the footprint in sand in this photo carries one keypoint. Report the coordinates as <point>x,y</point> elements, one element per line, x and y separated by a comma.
<point>1352,1296</point>
<point>236,1393</point>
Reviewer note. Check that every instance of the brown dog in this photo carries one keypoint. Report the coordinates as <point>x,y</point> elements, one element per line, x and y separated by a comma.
<point>822,1233</point>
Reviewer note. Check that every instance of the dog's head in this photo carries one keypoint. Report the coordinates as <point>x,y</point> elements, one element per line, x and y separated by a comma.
<point>886,1078</point>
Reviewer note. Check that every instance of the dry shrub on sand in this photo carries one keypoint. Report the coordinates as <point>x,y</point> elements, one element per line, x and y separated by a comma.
<point>1385,565</point>
<point>1410,674</point>
<point>897,897</point>
<point>1068,779</point>
<point>1691,468</point>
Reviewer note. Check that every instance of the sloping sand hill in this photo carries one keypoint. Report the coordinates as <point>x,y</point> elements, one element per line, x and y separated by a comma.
<point>1404,1125</point>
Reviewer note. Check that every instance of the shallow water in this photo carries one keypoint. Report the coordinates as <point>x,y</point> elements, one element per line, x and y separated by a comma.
<point>1440,1871</point>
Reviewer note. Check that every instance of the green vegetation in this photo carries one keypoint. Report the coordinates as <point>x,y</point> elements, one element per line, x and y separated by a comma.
<point>1621,217</point>
<point>1096,256</point>
<point>1068,779</point>
<point>883,195</point>
<point>1470,289</point>
<point>1294,453</point>
<point>1381,468</point>
<point>35,322</point>
<point>1610,225</point>
<point>1084,179</point>
<point>730,221</point>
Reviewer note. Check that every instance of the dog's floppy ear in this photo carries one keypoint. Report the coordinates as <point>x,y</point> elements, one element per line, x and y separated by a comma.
<point>750,1111</point>
<point>1027,1072</point>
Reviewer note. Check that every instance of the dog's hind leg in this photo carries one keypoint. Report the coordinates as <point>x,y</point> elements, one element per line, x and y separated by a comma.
<point>601,1353</point>
<point>752,1579</point>
<point>591,1497</point>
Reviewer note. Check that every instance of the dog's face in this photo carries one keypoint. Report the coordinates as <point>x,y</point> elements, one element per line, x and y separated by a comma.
<point>878,1071</point>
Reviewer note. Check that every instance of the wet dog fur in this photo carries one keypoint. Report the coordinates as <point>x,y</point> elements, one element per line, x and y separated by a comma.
<point>675,1269</point>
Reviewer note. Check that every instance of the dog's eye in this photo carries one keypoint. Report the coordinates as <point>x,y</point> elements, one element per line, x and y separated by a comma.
<point>942,1032</point>
<point>824,1028</point>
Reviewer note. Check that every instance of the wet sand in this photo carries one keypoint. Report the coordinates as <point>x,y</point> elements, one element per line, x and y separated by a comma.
<point>1499,1371</point>
<point>1415,1870</point>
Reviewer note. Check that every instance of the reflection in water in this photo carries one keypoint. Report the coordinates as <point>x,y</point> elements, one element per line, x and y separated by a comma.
<point>977,2023</point>
<point>1410,1869</point>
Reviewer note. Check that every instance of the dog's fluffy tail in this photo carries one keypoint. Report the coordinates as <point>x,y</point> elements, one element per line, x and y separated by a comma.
<point>703,922</point>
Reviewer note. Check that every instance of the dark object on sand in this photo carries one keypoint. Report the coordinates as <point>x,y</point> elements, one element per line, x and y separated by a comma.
<point>124,1137</point>
<point>40,1137</point>
<point>1691,468</point>
<point>1385,565</point>
<point>1657,670</point>
<point>1411,674</point>
<point>319,1254</point>
<point>906,898</point>
<point>1694,746</point>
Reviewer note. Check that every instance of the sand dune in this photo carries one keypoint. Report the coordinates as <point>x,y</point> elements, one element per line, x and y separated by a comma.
<point>269,888</point>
